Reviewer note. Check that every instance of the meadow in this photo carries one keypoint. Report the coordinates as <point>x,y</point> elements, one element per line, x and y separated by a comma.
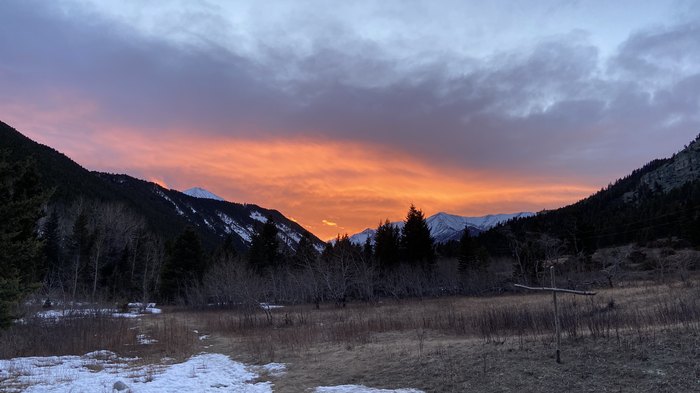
<point>639,336</point>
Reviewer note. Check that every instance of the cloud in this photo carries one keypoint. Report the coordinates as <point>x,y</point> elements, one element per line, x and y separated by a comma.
<point>329,223</point>
<point>348,106</point>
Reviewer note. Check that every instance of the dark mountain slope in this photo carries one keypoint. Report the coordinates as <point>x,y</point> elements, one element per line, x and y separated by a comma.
<point>168,212</point>
<point>659,200</point>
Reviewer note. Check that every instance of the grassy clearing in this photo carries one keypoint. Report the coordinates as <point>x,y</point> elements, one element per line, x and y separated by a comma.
<point>645,336</point>
<point>69,336</point>
<point>298,328</point>
<point>80,334</point>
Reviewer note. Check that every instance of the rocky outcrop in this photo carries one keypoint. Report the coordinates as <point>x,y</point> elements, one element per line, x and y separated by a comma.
<point>682,168</point>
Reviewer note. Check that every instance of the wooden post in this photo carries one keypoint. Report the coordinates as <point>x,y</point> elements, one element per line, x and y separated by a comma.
<point>556,313</point>
<point>554,291</point>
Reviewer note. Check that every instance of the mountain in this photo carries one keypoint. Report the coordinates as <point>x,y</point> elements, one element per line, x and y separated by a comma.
<point>660,200</point>
<point>445,227</point>
<point>198,192</point>
<point>167,212</point>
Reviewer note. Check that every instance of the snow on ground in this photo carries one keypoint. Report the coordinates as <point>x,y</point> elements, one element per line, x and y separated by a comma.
<point>99,371</point>
<point>145,340</point>
<point>134,309</point>
<point>361,389</point>
<point>82,312</point>
<point>268,306</point>
<point>274,369</point>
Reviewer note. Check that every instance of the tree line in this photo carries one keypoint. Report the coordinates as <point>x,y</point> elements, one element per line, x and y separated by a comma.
<point>90,250</point>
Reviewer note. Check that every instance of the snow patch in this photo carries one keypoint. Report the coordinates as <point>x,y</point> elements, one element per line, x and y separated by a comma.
<point>208,223</point>
<point>82,312</point>
<point>145,340</point>
<point>100,371</point>
<point>274,369</point>
<point>257,216</point>
<point>232,226</point>
<point>268,306</point>
<point>177,208</point>
<point>289,233</point>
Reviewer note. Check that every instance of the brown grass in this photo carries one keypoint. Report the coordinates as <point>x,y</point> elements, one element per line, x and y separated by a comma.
<point>81,334</point>
<point>641,338</point>
<point>68,336</point>
<point>644,336</point>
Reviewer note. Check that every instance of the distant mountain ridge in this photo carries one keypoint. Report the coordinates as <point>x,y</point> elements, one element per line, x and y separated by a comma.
<point>445,227</point>
<point>167,212</point>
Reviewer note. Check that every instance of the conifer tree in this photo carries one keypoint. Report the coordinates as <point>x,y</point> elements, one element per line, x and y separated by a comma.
<point>52,244</point>
<point>80,240</point>
<point>21,206</point>
<point>416,242</point>
<point>368,251</point>
<point>264,252</point>
<point>226,252</point>
<point>387,244</point>
<point>468,253</point>
<point>184,266</point>
<point>305,251</point>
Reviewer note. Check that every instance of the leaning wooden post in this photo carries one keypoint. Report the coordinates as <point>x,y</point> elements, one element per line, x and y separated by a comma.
<point>556,313</point>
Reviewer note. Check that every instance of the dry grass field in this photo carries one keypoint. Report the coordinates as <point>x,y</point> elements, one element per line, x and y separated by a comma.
<point>643,337</point>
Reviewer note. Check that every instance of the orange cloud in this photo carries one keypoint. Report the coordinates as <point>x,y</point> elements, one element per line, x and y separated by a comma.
<point>343,185</point>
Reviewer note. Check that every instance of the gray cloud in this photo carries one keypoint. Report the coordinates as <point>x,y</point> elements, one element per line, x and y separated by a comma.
<point>555,107</point>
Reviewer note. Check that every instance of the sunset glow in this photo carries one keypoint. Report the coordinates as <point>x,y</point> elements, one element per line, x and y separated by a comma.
<point>330,187</point>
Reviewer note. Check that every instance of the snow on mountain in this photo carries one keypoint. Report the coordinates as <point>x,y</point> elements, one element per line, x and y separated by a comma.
<point>257,216</point>
<point>445,227</point>
<point>361,238</point>
<point>198,192</point>
<point>491,220</point>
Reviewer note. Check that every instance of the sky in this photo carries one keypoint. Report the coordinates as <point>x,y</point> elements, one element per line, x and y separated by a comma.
<point>342,114</point>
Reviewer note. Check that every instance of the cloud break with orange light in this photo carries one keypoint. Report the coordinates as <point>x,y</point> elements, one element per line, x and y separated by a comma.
<point>330,187</point>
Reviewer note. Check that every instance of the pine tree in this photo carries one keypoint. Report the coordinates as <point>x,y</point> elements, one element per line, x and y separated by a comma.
<point>21,206</point>
<point>468,253</point>
<point>52,244</point>
<point>226,252</point>
<point>416,242</point>
<point>80,244</point>
<point>305,251</point>
<point>387,244</point>
<point>184,266</point>
<point>368,251</point>
<point>264,252</point>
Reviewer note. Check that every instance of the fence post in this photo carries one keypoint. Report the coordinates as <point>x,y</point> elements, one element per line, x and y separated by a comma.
<point>556,313</point>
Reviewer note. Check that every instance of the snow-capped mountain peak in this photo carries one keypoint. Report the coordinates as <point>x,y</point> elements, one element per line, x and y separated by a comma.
<point>445,227</point>
<point>198,192</point>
